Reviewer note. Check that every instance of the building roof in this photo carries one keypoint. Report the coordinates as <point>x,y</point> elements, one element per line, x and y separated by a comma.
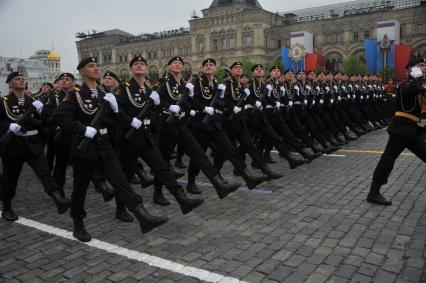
<point>53,55</point>
<point>220,3</point>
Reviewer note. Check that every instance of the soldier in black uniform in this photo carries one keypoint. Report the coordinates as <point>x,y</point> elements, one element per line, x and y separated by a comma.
<point>404,132</point>
<point>86,115</point>
<point>134,96</point>
<point>175,97</point>
<point>211,131</point>
<point>23,145</point>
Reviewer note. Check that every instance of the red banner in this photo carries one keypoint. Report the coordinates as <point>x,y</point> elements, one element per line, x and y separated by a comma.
<point>312,60</point>
<point>402,55</point>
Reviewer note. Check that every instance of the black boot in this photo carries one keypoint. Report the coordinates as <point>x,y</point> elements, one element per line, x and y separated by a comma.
<point>186,204</point>
<point>134,179</point>
<point>309,154</point>
<point>147,221</point>
<point>268,158</point>
<point>8,213</point>
<point>192,187</point>
<point>252,181</point>
<point>146,180</point>
<point>106,191</point>
<point>62,204</point>
<point>350,136</point>
<point>317,147</point>
<point>295,160</point>
<point>179,163</point>
<point>159,197</point>
<point>223,189</point>
<point>79,231</point>
<point>269,172</point>
<point>121,212</point>
<point>374,196</point>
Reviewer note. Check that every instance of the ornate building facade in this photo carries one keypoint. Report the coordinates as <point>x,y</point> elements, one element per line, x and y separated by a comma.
<point>231,30</point>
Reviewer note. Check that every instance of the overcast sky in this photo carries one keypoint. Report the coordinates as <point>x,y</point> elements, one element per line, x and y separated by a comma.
<point>29,25</point>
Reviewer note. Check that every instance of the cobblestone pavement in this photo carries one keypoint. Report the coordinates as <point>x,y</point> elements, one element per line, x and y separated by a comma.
<point>313,225</point>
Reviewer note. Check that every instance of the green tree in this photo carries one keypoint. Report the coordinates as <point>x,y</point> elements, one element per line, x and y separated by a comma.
<point>221,74</point>
<point>247,64</point>
<point>353,66</point>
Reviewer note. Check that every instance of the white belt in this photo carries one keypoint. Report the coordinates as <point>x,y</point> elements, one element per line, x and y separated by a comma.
<point>297,103</point>
<point>27,133</point>
<point>248,106</point>
<point>269,107</point>
<point>218,111</point>
<point>103,131</point>
<point>179,115</point>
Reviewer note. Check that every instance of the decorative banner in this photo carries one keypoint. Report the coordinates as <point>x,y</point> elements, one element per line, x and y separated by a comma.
<point>390,29</point>
<point>402,55</point>
<point>312,61</point>
<point>304,39</point>
<point>371,55</point>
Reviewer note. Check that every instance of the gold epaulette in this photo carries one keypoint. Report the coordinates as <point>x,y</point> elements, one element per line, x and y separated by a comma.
<point>5,98</point>
<point>127,84</point>
<point>149,84</point>
<point>76,89</point>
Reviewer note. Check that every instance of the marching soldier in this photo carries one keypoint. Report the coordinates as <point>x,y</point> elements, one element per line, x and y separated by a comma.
<point>404,132</point>
<point>21,144</point>
<point>86,114</point>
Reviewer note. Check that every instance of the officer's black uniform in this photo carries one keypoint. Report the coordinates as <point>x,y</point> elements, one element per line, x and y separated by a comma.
<point>132,98</point>
<point>24,146</point>
<point>73,115</point>
<point>403,133</point>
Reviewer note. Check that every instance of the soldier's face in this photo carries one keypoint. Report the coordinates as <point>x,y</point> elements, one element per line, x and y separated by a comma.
<point>67,83</point>
<point>259,72</point>
<point>18,83</point>
<point>110,82</point>
<point>237,70</point>
<point>422,67</point>
<point>139,68</point>
<point>45,89</point>
<point>276,73</point>
<point>176,67</point>
<point>209,69</point>
<point>90,71</point>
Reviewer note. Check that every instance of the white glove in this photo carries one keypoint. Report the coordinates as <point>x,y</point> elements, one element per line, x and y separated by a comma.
<point>327,88</point>
<point>258,104</point>
<point>308,87</point>
<point>335,87</point>
<point>190,88</point>
<point>236,109</point>
<point>343,87</point>
<point>305,102</point>
<point>339,98</point>
<point>321,101</point>
<point>174,108</point>
<point>155,97</point>
<point>313,102</point>
<point>136,123</point>
<point>362,97</point>
<point>38,106</point>
<point>192,113</point>
<point>247,91</point>
<point>90,132</point>
<point>112,101</point>
<point>277,104</point>
<point>354,96</point>
<point>209,110</point>
<point>318,88</point>
<point>269,88</point>
<point>416,72</point>
<point>290,103</point>
<point>282,89</point>
<point>14,128</point>
<point>331,101</point>
<point>222,88</point>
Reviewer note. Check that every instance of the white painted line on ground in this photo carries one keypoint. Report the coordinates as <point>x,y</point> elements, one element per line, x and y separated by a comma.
<point>161,263</point>
<point>331,154</point>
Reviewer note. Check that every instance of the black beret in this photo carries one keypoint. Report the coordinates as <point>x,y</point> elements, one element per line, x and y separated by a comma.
<point>300,71</point>
<point>414,61</point>
<point>176,58</point>
<point>48,84</point>
<point>338,72</point>
<point>111,74</point>
<point>257,66</point>
<point>328,73</point>
<point>56,80</point>
<point>288,71</point>
<point>66,75</point>
<point>273,68</point>
<point>209,60</point>
<point>311,72</point>
<point>238,63</point>
<point>86,61</point>
<point>321,73</point>
<point>136,59</point>
<point>244,76</point>
<point>13,75</point>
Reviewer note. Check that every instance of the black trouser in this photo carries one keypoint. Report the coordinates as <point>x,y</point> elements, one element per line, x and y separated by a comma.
<point>242,136</point>
<point>128,156</point>
<point>62,151</point>
<point>396,144</point>
<point>296,127</point>
<point>12,167</point>
<point>190,146</point>
<point>307,118</point>
<point>276,128</point>
<point>223,146</point>
<point>109,167</point>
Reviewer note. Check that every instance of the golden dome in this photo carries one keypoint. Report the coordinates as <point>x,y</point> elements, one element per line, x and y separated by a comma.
<point>53,55</point>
